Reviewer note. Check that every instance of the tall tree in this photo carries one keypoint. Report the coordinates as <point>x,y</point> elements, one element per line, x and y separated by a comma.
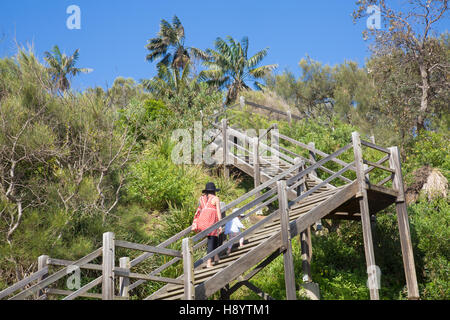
<point>311,93</point>
<point>169,46</point>
<point>62,67</point>
<point>170,81</point>
<point>230,67</point>
<point>411,29</point>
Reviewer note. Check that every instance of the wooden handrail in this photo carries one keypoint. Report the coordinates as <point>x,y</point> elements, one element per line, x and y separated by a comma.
<point>370,169</point>
<point>314,150</point>
<point>62,262</point>
<point>331,157</point>
<point>252,104</point>
<point>125,273</point>
<point>146,248</point>
<point>376,165</point>
<point>324,182</point>
<point>345,179</point>
<point>272,126</point>
<point>313,162</point>
<point>276,152</point>
<point>84,289</point>
<point>22,283</point>
<point>374,146</point>
<point>240,135</point>
<point>239,147</point>
<point>56,276</point>
<point>261,187</point>
<point>163,244</point>
<point>388,178</point>
<point>163,267</point>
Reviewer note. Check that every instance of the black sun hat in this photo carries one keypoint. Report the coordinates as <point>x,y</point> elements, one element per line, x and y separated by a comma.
<point>210,186</point>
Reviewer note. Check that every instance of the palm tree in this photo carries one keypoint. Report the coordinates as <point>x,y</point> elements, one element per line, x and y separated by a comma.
<point>171,36</point>
<point>230,67</point>
<point>170,81</point>
<point>62,67</point>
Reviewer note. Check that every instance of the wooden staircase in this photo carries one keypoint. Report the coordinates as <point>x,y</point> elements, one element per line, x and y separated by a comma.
<point>320,199</point>
<point>287,186</point>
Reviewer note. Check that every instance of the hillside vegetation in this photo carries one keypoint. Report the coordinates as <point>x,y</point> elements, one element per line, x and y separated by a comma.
<point>76,164</point>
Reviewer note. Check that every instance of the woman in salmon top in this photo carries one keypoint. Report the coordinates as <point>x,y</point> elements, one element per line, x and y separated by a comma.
<point>209,205</point>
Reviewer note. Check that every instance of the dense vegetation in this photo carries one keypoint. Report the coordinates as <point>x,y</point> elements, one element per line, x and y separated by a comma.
<point>75,165</point>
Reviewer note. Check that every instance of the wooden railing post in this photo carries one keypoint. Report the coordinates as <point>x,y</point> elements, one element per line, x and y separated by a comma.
<point>235,149</point>
<point>256,167</point>
<point>275,138</point>
<point>226,170</point>
<point>42,263</point>
<point>248,148</point>
<point>289,275</point>
<point>275,143</point>
<point>403,226</point>
<point>312,157</point>
<point>108,252</point>
<point>289,116</point>
<point>304,237</point>
<point>302,187</point>
<point>124,282</point>
<point>365,217</point>
<point>188,268</point>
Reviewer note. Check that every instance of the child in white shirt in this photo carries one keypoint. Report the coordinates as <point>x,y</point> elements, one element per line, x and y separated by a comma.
<point>233,228</point>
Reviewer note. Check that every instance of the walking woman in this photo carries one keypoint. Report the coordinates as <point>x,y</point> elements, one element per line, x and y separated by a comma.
<point>209,214</point>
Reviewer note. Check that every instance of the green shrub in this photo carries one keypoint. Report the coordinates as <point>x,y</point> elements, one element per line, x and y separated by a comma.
<point>430,221</point>
<point>157,183</point>
<point>428,149</point>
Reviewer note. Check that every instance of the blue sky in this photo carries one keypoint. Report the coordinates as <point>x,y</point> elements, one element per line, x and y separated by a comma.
<point>114,33</point>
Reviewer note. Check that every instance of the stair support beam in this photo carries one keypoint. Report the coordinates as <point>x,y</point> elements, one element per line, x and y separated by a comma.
<point>403,226</point>
<point>257,290</point>
<point>226,169</point>
<point>124,282</point>
<point>42,264</point>
<point>365,218</point>
<point>289,275</point>
<point>108,266</point>
<point>188,269</point>
<point>305,236</point>
<point>256,166</point>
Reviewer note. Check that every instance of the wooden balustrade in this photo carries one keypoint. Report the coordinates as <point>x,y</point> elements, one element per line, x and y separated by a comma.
<point>276,188</point>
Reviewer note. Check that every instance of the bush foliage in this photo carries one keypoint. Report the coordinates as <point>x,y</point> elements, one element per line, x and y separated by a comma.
<point>86,163</point>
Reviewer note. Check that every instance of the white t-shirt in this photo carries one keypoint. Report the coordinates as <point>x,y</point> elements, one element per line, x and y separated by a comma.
<point>233,226</point>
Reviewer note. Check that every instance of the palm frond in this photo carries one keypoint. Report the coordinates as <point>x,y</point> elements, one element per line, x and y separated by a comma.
<point>263,70</point>
<point>211,74</point>
<point>199,54</point>
<point>257,58</point>
<point>154,55</point>
<point>223,47</point>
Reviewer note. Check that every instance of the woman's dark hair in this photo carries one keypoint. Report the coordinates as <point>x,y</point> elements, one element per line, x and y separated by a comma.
<point>207,192</point>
